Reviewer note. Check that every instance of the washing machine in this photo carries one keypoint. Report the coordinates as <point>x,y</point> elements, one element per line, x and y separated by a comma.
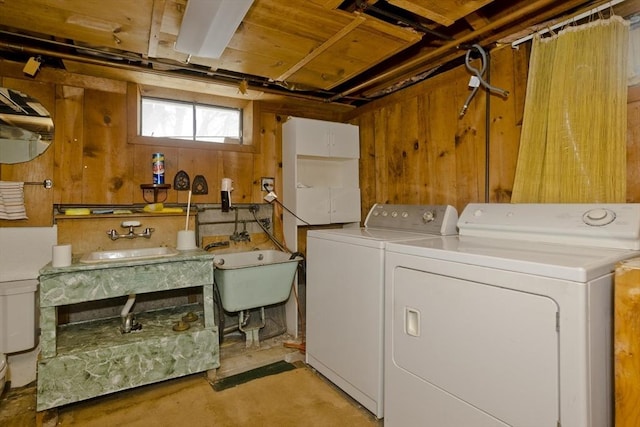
<point>345,289</point>
<point>510,323</point>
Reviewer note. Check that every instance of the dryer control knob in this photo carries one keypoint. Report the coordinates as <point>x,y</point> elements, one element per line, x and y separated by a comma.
<point>598,217</point>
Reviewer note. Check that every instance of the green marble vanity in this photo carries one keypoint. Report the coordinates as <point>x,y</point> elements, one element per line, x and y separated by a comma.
<point>82,360</point>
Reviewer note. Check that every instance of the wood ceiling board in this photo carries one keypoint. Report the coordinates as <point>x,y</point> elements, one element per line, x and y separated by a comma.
<point>271,42</point>
<point>297,18</point>
<point>252,63</point>
<point>354,53</point>
<point>444,12</point>
<point>91,22</point>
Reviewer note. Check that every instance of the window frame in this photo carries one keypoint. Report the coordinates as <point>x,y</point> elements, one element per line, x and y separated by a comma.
<point>135,92</point>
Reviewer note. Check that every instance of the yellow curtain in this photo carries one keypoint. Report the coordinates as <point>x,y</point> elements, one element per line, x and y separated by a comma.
<point>573,140</point>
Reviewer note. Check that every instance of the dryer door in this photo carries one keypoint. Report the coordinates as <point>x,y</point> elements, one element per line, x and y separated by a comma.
<point>489,348</point>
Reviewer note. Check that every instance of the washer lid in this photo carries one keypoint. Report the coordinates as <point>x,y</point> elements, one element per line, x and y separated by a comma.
<point>371,237</point>
<point>574,263</point>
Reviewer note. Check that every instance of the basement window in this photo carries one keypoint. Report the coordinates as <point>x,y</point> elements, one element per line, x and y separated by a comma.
<point>182,119</point>
<point>190,121</point>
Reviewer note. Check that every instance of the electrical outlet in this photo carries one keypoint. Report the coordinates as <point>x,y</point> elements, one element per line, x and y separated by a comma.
<point>267,184</point>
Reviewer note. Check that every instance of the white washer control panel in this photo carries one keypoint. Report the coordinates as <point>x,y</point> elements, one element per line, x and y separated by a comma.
<point>428,219</point>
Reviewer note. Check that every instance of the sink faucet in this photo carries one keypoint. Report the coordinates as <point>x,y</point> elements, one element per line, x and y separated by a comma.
<point>242,236</point>
<point>113,234</point>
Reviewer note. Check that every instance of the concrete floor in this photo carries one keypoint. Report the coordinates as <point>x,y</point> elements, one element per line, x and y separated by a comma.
<point>321,399</point>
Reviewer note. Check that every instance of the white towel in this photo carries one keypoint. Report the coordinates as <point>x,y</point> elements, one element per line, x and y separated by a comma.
<point>12,200</point>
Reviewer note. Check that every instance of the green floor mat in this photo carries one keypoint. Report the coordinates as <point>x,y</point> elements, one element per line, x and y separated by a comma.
<point>264,371</point>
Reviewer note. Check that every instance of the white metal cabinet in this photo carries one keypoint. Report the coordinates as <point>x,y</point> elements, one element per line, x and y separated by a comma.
<point>320,179</point>
<point>325,205</point>
<point>320,172</point>
<point>324,139</point>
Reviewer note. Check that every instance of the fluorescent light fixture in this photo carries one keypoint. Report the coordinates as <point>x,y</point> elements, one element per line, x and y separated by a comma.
<point>208,25</point>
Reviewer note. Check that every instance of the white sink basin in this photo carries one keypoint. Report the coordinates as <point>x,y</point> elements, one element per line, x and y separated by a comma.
<point>128,255</point>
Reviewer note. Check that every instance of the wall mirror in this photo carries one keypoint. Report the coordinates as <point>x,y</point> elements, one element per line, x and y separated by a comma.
<point>26,127</point>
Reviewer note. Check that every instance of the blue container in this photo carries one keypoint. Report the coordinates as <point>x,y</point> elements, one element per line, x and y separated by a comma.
<point>157,165</point>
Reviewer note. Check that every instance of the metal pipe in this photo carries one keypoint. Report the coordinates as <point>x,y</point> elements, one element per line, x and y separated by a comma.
<point>262,86</point>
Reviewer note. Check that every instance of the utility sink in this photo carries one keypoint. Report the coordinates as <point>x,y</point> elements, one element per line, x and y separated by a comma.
<point>128,255</point>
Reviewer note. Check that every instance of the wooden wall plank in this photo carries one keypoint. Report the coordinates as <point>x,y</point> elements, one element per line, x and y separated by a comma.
<point>379,157</point>
<point>106,155</point>
<point>505,120</point>
<point>452,143</point>
<point>68,147</point>
<point>394,159</point>
<point>413,188</point>
<point>267,163</point>
<point>368,178</point>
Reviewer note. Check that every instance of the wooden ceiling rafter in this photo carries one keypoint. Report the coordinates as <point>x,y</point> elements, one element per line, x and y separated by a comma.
<point>323,47</point>
<point>156,23</point>
<point>476,20</point>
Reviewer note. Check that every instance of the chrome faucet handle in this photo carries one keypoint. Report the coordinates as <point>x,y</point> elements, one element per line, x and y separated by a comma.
<point>147,232</point>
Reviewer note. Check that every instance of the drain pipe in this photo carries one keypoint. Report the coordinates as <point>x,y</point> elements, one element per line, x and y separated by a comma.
<point>128,322</point>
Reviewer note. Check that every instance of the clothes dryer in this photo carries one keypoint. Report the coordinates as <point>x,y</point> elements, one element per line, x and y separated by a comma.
<point>508,324</point>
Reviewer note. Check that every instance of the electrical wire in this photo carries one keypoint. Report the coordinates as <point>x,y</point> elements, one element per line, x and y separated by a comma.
<point>478,74</point>
<point>275,241</point>
<point>266,188</point>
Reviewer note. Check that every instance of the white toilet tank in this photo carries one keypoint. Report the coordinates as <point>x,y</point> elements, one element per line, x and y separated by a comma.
<point>17,315</point>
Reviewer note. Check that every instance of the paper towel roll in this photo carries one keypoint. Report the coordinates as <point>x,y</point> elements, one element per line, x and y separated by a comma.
<point>61,256</point>
<point>186,240</point>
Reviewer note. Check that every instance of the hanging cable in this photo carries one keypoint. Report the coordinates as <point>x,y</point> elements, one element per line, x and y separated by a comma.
<point>477,79</point>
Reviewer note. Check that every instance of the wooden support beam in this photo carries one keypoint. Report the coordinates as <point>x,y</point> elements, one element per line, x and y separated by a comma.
<point>156,22</point>
<point>323,47</point>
